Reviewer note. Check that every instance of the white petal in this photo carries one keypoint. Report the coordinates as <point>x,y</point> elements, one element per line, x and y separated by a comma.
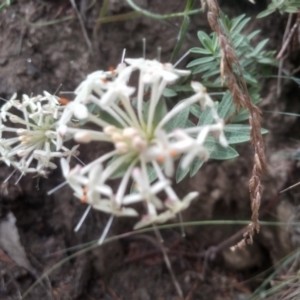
<point>80,111</point>
<point>64,166</point>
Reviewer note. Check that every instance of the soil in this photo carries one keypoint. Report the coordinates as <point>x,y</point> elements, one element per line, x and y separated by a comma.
<point>42,45</point>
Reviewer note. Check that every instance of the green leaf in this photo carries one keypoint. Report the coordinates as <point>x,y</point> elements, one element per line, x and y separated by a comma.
<point>181,37</point>
<point>199,51</point>
<point>168,93</point>
<point>109,119</point>
<point>291,10</point>
<point>195,110</point>
<point>249,78</point>
<point>195,166</point>
<point>181,173</point>
<point>259,47</point>
<point>200,61</point>
<point>215,43</point>
<point>205,67</point>
<point>205,40</point>
<point>239,133</point>
<point>179,120</point>
<point>206,117</point>
<point>240,27</point>
<point>220,153</point>
<point>182,88</point>
<point>160,112</point>
<point>236,21</point>
<point>241,116</point>
<point>121,170</point>
<point>253,34</point>
<point>226,107</point>
<point>210,73</point>
<point>265,13</point>
<point>152,175</point>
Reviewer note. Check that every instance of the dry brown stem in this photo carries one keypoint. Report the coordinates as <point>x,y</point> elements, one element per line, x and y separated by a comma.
<point>232,75</point>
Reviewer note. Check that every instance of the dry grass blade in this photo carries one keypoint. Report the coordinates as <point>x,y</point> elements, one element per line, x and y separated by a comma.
<point>232,75</point>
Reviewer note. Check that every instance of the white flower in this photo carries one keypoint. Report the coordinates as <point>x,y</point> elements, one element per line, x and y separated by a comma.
<point>109,207</point>
<point>152,70</point>
<point>153,218</point>
<point>95,186</point>
<point>144,148</point>
<point>73,177</point>
<point>145,190</point>
<point>117,88</point>
<point>162,151</point>
<point>176,206</point>
<point>95,82</point>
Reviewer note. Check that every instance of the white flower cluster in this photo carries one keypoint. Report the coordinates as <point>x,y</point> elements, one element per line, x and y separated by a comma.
<point>145,151</point>
<point>143,145</point>
<point>32,141</point>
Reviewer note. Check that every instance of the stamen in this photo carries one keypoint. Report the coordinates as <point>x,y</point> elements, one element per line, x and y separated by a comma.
<point>84,197</point>
<point>83,218</point>
<point>181,58</point>
<point>158,53</point>
<point>123,55</point>
<point>160,159</point>
<point>63,101</point>
<point>144,48</point>
<point>56,188</point>
<point>106,229</point>
<point>173,153</point>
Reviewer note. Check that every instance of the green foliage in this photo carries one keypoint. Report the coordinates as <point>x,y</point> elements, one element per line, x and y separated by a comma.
<point>283,6</point>
<point>234,133</point>
<point>251,58</point>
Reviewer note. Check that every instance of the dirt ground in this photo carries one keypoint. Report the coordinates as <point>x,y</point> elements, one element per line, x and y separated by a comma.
<point>37,54</point>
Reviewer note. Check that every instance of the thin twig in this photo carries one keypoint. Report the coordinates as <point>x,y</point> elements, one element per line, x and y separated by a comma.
<point>288,39</point>
<point>161,17</point>
<point>85,35</point>
<point>168,263</point>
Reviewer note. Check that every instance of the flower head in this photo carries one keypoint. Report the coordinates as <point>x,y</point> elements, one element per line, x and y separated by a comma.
<point>145,148</point>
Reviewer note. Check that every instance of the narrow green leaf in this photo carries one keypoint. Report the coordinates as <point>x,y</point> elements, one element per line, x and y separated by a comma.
<point>253,34</point>
<point>240,27</point>
<point>160,111</point>
<point>206,117</point>
<point>196,110</point>
<point>215,43</point>
<point>206,41</point>
<point>236,21</point>
<point>109,119</point>
<point>181,37</point>
<point>182,88</point>
<point>239,133</point>
<point>220,153</point>
<point>199,50</point>
<point>241,116</point>
<point>200,61</point>
<point>181,173</point>
<point>210,73</point>
<point>265,13</point>
<point>291,10</point>
<point>179,120</point>
<point>259,47</point>
<point>205,67</point>
<point>226,107</point>
<point>195,166</point>
<point>168,93</point>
